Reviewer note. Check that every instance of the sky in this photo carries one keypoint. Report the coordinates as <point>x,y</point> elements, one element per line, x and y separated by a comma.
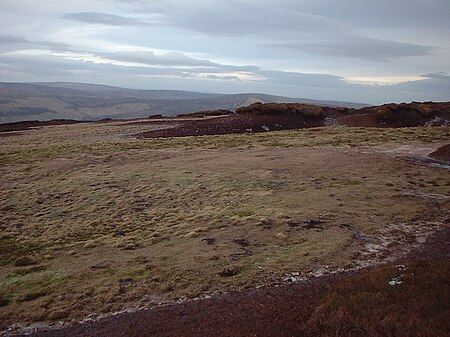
<point>347,50</point>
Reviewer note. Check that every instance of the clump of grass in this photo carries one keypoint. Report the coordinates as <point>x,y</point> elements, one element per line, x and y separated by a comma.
<point>4,299</point>
<point>34,294</point>
<point>352,183</point>
<point>244,213</point>
<point>12,251</point>
<point>134,275</point>
<point>34,269</point>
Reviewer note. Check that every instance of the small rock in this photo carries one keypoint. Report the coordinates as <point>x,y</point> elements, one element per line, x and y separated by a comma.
<point>241,242</point>
<point>230,271</point>
<point>126,282</point>
<point>281,236</point>
<point>24,261</point>
<point>293,223</point>
<point>312,224</point>
<point>395,281</point>
<point>209,241</point>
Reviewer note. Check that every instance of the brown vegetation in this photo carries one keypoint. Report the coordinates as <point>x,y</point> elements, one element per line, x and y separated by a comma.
<point>442,154</point>
<point>259,117</point>
<point>400,115</point>
<point>220,112</point>
<point>26,125</point>
<point>283,109</point>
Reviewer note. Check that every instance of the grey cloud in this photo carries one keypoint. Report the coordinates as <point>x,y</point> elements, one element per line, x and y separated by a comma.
<point>243,17</point>
<point>52,45</point>
<point>12,39</point>
<point>295,78</point>
<point>381,13</point>
<point>172,63</point>
<point>49,64</point>
<point>104,19</point>
<point>434,86</point>
<point>359,47</point>
<point>238,18</point>
<point>175,59</point>
<point>305,26</point>
<point>438,76</point>
<point>41,66</point>
<point>25,43</point>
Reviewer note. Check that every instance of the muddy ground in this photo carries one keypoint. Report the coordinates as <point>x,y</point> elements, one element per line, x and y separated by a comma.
<point>95,221</point>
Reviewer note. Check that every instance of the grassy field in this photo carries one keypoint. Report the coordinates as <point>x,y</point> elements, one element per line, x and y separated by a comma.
<point>94,221</point>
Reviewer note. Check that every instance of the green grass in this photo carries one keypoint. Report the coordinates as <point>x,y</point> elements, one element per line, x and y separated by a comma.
<point>34,294</point>
<point>11,249</point>
<point>352,183</point>
<point>244,213</point>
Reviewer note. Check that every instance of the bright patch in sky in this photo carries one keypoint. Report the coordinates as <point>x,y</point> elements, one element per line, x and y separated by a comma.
<point>383,80</point>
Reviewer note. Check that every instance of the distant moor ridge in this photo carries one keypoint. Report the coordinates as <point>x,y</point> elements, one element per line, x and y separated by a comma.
<point>80,101</point>
<point>22,105</point>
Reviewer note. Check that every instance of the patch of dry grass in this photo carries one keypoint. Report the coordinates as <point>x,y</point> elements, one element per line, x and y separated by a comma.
<point>53,142</point>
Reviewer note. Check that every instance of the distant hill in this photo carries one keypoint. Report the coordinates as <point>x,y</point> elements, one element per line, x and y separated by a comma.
<point>82,101</point>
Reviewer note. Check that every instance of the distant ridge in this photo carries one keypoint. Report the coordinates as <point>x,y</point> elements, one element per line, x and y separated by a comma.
<point>83,101</point>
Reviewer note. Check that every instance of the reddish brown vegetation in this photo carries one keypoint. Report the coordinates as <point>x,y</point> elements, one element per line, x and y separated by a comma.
<point>235,123</point>
<point>26,125</point>
<point>442,154</point>
<point>281,109</point>
<point>400,115</point>
<point>219,112</point>
<point>260,117</point>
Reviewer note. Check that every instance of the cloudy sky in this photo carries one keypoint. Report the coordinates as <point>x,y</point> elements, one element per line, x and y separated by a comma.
<point>349,50</point>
